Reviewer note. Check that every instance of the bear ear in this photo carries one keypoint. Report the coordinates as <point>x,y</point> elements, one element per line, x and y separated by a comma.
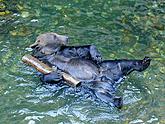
<point>54,36</point>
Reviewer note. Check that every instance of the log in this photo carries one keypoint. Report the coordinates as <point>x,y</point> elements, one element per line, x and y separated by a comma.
<point>45,69</point>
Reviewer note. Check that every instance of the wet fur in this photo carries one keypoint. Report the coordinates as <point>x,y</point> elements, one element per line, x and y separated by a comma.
<point>84,63</point>
<point>103,78</point>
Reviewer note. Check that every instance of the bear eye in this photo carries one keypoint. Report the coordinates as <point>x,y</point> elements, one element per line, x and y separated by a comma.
<point>54,36</point>
<point>38,41</point>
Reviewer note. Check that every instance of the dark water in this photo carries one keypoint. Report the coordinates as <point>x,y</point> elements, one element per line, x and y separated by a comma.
<point>119,28</point>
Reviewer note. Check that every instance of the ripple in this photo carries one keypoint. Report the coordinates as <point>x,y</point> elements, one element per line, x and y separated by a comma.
<point>119,29</point>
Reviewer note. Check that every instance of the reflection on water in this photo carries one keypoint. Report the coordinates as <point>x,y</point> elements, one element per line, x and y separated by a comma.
<point>120,29</point>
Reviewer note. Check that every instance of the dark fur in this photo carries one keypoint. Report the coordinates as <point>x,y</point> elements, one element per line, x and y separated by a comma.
<point>88,52</point>
<point>102,78</point>
<point>84,63</point>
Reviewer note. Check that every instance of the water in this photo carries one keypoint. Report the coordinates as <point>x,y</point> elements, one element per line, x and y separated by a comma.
<point>119,28</point>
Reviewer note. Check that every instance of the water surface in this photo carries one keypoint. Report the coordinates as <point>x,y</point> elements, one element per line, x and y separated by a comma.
<point>119,28</point>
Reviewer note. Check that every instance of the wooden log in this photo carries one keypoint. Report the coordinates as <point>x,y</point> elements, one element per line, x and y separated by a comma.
<point>37,64</point>
<point>45,69</point>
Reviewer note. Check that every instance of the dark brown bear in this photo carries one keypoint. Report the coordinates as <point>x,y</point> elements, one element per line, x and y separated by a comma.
<point>102,77</point>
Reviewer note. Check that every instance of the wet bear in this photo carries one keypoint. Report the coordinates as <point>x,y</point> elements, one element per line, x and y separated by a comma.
<point>102,77</point>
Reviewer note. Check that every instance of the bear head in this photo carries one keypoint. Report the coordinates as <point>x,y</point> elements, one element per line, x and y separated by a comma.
<point>50,38</point>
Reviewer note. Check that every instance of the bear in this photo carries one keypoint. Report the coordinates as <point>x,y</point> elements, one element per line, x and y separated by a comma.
<point>53,43</point>
<point>84,64</point>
